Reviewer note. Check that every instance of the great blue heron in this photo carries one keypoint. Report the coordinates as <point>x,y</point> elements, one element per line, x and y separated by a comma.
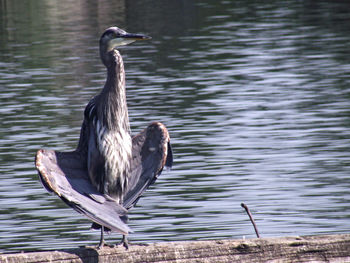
<point>108,172</point>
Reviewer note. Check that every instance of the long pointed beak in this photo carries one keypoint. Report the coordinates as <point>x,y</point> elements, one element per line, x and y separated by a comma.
<point>131,36</point>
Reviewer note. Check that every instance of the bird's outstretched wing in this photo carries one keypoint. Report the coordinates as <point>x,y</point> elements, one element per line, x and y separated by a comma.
<point>65,174</point>
<point>151,151</point>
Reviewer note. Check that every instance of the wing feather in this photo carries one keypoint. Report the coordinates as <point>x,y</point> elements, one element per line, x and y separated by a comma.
<point>151,151</point>
<point>65,174</point>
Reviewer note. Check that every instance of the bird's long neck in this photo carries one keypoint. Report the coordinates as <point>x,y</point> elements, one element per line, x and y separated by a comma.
<point>113,128</point>
<point>113,95</point>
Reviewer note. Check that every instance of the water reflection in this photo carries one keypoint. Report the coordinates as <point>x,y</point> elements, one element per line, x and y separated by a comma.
<point>255,94</point>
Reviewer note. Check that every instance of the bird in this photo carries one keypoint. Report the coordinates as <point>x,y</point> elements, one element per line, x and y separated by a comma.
<point>110,169</point>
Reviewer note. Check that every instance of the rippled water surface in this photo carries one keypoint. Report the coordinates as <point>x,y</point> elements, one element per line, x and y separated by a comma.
<point>255,94</point>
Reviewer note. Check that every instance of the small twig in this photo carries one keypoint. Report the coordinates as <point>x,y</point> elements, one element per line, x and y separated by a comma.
<point>251,218</point>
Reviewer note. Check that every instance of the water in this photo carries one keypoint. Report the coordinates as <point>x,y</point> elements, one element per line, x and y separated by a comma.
<point>255,94</point>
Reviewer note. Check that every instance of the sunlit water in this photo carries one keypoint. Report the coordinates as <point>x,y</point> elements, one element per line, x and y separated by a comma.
<point>256,98</point>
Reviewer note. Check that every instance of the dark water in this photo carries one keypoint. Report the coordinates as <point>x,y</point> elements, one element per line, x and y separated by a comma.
<point>255,94</point>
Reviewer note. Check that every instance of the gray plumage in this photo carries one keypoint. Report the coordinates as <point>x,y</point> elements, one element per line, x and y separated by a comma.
<point>109,171</point>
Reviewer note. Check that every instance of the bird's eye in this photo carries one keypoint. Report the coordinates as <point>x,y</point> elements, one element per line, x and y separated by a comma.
<point>109,34</point>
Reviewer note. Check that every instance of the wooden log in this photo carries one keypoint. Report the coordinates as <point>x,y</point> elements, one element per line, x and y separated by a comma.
<point>327,248</point>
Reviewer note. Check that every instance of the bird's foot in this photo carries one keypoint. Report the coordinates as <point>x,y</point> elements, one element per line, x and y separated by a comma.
<point>124,242</point>
<point>104,244</point>
<point>101,245</point>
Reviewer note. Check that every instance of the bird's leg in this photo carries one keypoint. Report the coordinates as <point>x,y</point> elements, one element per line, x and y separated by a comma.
<point>102,241</point>
<point>124,242</point>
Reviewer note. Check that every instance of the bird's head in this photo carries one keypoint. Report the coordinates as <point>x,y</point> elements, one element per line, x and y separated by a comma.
<point>114,37</point>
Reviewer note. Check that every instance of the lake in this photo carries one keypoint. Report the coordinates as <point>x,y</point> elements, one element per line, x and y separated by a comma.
<point>255,95</point>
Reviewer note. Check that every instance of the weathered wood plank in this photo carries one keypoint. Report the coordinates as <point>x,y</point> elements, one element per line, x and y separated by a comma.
<point>327,248</point>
